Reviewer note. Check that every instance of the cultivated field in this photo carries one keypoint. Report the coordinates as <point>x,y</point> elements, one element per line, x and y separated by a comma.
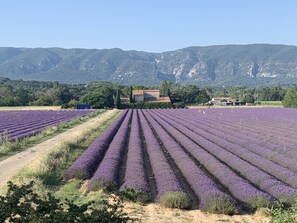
<point>30,157</point>
<point>17,124</point>
<point>217,160</point>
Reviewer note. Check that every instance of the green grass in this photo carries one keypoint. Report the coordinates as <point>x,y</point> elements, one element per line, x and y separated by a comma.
<point>70,191</point>
<point>10,148</point>
<point>271,103</point>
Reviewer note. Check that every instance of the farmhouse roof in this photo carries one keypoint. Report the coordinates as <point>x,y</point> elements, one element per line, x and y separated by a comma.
<point>152,90</point>
<point>141,92</point>
<point>138,92</point>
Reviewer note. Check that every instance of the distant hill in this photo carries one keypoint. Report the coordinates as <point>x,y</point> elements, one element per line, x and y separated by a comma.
<point>256,64</point>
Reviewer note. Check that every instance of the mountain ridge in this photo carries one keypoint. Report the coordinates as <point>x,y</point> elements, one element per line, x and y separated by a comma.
<point>217,65</point>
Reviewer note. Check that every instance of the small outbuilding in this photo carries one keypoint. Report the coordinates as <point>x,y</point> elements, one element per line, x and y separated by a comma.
<point>82,106</point>
<point>225,101</point>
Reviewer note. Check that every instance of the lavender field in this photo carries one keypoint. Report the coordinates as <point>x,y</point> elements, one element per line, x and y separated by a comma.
<point>241,157</point>
<point>19,124</point>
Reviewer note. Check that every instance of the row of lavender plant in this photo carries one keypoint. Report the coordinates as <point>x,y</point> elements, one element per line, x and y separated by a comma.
<point>135,174</point>
<point>264,181</point>
<point>165,178</point>
<point>107,173</point>
<point>204,187</point>
<point>272,128</point>
<point>275,143</point>
<point>257,134</point>
<point>242,140</point>
<point>30,123</point>
<point>237,186</point>
<point>284,174</point>
<point>263,131</point>
<point>87,163</point>
<point>12,119</point>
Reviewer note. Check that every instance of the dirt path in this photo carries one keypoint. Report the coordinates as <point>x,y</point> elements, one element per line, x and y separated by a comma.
<point>10,166</point>
<point>152,213</point>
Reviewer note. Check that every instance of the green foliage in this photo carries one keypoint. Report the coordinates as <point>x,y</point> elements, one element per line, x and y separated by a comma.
<point>165,87</point>
<point>13,96</point>
<point>220,206</point>
<point>248,98</point>
<point>202,97</point>
<point>71,191</point>
<point>188,94</point>
<point>281,213</point>
<point>258,202</point>
<point>290,99</point>
<point>105,185</point>
<point>133,195</point>
<point>118,99</point>
<point>71,104</point>
<point>270,103</point>
<point>131,94</point>
<point>22,204</point>
<point>175,200</point>
<point>179,105</point>
<point>99,96</point>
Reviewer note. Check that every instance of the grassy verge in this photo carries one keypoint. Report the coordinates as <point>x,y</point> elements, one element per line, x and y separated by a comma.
<point>47,171</point>
<point>10,148</point>
<point>271,103</point>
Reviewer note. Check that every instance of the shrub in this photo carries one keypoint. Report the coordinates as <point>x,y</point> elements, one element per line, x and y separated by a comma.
<point>220,205</point>
<point>175,200</point>
<point>102,184</point>
<point>290,99</point>
<point>258,202</point>
<point>280,213</point>
<point>179,105</point>
<point>21,204</point>
<point>133,195</point>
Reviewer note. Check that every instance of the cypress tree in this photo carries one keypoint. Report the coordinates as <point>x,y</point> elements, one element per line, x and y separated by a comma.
<point>118,99</point>
<point>131,94</point>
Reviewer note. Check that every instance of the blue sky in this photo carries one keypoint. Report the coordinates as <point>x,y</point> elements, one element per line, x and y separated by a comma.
<point>148,25</point>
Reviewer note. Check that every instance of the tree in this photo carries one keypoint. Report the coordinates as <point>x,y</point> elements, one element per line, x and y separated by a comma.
<point>202,97</point>
<point>118,99</point>
<point>131,94</point>
<point>188,94</point>
<point>99,97</point>
<point>165,87</point>
<point>290,99</point>
<point>248,98</point>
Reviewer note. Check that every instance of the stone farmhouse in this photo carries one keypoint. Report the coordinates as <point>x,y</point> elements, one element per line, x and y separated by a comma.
<point>148,96</point>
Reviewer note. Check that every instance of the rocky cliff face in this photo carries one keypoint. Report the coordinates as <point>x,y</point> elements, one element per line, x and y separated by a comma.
<point>257,64</point>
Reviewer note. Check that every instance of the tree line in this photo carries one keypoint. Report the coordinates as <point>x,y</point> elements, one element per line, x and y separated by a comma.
<point>101,94</point>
